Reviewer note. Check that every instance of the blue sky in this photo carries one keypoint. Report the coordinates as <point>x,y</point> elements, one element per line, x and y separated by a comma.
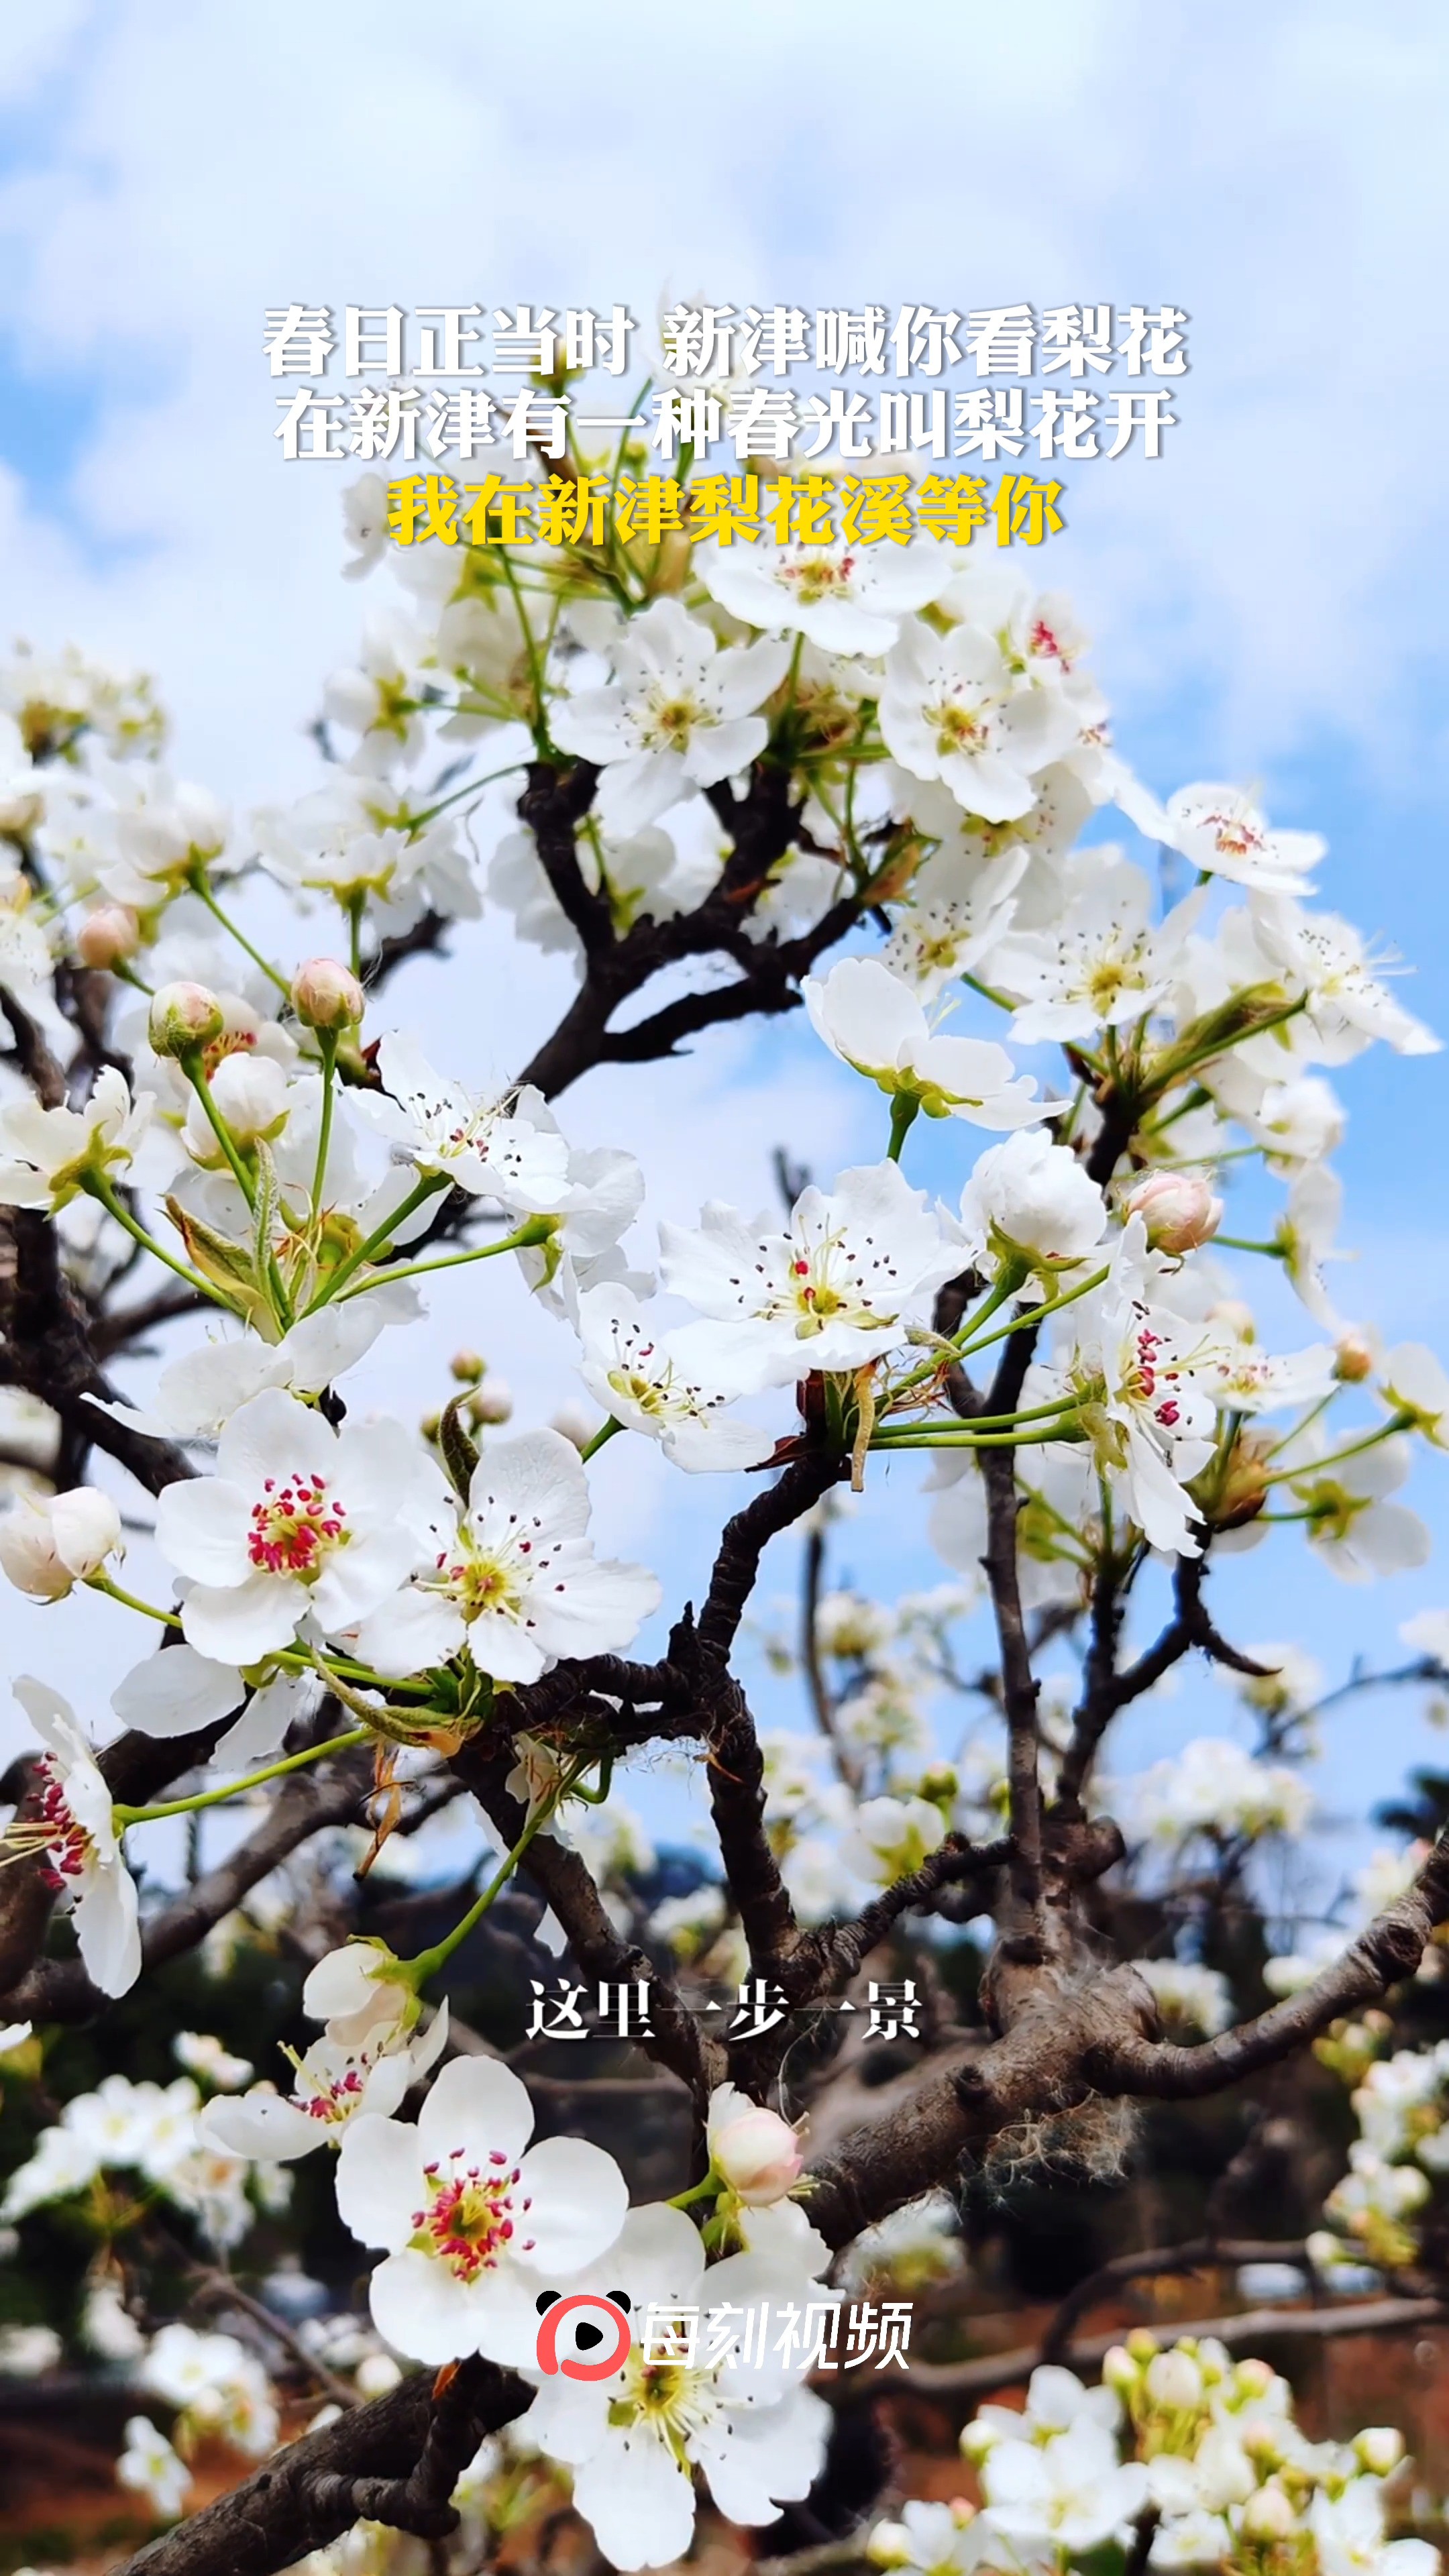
<point>1267,599</point>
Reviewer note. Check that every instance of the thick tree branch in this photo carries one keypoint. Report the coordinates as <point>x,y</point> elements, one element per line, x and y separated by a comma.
<point>395,2461</point>
<point>1390,1948</point>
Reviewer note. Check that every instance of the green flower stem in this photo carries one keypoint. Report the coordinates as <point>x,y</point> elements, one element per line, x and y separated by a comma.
<point>98,1187</point>
<point>355,907</point>
<point>426,1188</point>
<point>1243,1243</point>
<point>709,2189</point>
<point>1008,1279</point>
<point>537,1229</point>
<point>128,1816</point>
<point>1311,1468</point>
<point>129,1600</point>
<point>327,1046</point>
<point>905,1109</point>
<point>193,1065</point>
<point>470,787</point>
<point>606,1431</point>
<point>198,884</point>
<point>1034,1314</point>
<point>989,993</point>
<point>428,1962</point>
<point>967,1439</point>
<point>929,1429</point>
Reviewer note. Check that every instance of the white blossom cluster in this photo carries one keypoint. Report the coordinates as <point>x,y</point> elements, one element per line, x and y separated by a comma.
<point>306,1167</point>
<point>1200,2452</point>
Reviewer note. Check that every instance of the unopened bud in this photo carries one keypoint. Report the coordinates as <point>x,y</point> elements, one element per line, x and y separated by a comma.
<point>183,1018</point>
<point>1119,2370</point>
<point>1353,1358</point>
<point>1254,2378</point>
<point>50,1543</point>
<point>1179,1210</point>
<point>758,2155</point>
<point>377,2375</point>
<point>467,1367</point>
<point>1244,1489</point>
<point>1174,2381</point>
<point>327,995</point>
<point>1380,2447</point>
<point>890,2545</point>
<point>493,1401</point>
<point>1142,2344</point>
<point>1270,2514</point>
<point>108,936</point>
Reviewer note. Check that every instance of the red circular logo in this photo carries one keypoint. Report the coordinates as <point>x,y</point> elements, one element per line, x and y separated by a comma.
<point>548,2334</point>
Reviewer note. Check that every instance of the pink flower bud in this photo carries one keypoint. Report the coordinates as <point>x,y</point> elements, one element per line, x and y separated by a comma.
<point>1354,1358</point>
<point>327,995</point>
<point>754,2151</point>
<point>1178,1209</point>
<point>184,1017</point>
<point>52,1542</point>
<point>108,936</point>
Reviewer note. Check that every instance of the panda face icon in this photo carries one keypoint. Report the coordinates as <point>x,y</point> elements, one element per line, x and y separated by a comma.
<point>586,2336</point>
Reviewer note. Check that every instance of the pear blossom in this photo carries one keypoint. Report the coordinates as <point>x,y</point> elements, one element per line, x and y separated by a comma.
<point>1347,1005</point>
<point>519,1584</point>
<point>631,1369</point>
<point>26,962</point>
<point>1219,830</point>
<point>22,785</point>
<point>150,2467</point>
<point>332,2085</point>
<point>299,1521</point>
<point>1349,2536</point>
<point>472,2226</point>
<point>677,716</point>
<point>1071,2490</point>
<point>955,919</point>
<point>217,2386</point>
<point>856,1267</point>
<point>846,599</point>
<point>1213,1786</point>
<point>950,709</point>
<point>376,697</point>
<point>1150,1414</point>
<point>197,1395</point>
<point>75,1834</point>
<point>471,1141</point>
<point>1242,1377</point>
<point>1030,1200</point>
<point>641,873</point>
<point>48,1155</point>
<point>1352,1525</point>
<point>871,1020</point>
<point>890,1837</point>
<point>1103,963</point>
<point>632,2440</point>
<point>51,1542</point>
<point>1415,1382</point>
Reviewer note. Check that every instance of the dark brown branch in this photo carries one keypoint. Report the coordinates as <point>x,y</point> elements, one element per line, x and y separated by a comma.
<point>1390,1948</point>
<point>1106,1690</point>
<point>564,1881</point>
<point>395,2461</point>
